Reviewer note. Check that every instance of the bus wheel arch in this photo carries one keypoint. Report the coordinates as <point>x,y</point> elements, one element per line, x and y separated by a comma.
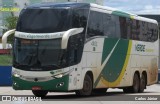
<point>135,84</point>
<point>87,85</point>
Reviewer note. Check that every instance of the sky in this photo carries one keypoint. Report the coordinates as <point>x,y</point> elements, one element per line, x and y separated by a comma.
<point>135,6</point>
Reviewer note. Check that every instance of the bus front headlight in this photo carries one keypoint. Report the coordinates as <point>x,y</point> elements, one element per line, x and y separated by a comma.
<point>58,76</point>
<point>15,74</point>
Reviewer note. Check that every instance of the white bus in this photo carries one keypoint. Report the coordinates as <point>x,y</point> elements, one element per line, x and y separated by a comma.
<point>84,48</point>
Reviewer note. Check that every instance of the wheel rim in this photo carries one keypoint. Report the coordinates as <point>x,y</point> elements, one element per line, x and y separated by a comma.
<point>86,86</point>
<point>143,83</point>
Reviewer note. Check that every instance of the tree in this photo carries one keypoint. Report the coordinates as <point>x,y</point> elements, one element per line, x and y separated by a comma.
<point>10,23</point>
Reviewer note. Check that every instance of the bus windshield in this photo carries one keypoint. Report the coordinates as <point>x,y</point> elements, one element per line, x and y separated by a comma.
<point>38,54</point>
<point>43,20</point>
<point>46,54</point>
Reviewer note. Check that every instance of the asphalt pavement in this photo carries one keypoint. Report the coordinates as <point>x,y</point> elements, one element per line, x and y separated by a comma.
<point>111,95</point>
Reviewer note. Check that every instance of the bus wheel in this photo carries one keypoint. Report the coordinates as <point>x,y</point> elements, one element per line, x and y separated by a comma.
<point>87,87</point>
<point>40,93</point>
<point>100,91</point>
<point>142,83</point>
<point>136,84</point>
<point>135,87</point>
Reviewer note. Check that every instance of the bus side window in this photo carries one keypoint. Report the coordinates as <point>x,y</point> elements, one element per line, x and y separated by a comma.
<point>95,25</point>
<point>141,31</point>
<point>111,26</point>
<point>123,27</point>
<point>153,32</point>
<point>107,25</point>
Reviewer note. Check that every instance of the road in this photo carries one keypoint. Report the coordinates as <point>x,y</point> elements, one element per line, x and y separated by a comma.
<point>69,98</point>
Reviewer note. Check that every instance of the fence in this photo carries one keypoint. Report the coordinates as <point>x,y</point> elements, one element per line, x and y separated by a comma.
<point>5,69</point>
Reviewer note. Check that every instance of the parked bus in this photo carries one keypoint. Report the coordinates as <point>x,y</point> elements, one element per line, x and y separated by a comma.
<point>84,48</point>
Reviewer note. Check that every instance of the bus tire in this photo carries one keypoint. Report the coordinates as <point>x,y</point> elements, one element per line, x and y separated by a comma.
<point>142,83</point>
<point>136,84</point>
<point>87,87</point>
<point>40,93</point>
<point>135,87</point>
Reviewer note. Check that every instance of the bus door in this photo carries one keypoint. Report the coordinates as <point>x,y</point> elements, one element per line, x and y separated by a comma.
<point>72,62</point>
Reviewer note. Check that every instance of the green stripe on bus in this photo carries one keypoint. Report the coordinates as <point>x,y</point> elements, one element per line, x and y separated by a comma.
<point>107,47</point>
<point>119,13</point>
<point>46,85</point>
<point>114,66</point>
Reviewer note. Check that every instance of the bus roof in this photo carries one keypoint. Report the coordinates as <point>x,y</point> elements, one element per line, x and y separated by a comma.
<point>95,6</point>
<point>123,14</point>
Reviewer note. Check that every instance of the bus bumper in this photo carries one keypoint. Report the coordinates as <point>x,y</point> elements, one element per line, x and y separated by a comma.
<point>58,84</point>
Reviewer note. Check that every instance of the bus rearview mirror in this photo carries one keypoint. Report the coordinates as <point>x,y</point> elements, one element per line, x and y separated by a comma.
<point>5,36</point>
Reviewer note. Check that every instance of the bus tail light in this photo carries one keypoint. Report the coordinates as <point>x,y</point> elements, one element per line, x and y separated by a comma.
<point>36,88</point>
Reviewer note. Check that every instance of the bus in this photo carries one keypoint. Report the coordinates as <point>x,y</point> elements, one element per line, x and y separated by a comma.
<point>83,48</point>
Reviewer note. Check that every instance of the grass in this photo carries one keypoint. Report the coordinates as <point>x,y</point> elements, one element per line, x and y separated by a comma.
<point>5,60</point>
